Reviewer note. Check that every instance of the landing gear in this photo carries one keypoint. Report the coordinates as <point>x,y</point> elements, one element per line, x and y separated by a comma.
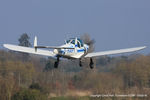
<point>80,63</point>
<point>91,63</point>
<point>56,63</point>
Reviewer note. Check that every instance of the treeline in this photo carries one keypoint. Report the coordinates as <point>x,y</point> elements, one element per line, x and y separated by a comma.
<point>119,75</point>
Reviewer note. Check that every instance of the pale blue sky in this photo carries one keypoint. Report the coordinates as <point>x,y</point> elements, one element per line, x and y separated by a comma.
<point>114,24</point>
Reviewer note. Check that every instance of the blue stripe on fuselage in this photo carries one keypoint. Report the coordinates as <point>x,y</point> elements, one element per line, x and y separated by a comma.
<point>81,50</point>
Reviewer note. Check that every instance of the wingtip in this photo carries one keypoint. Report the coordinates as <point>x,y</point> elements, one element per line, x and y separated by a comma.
<point>6,45</point>
<point>144,47</point>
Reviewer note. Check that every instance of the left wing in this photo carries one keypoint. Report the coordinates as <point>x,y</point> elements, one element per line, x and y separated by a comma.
<point>29,50</point>
<point>95,54</point>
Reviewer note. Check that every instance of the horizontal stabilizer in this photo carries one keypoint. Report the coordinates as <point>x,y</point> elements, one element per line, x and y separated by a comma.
<point>54,47</point>
<point>114,51</point>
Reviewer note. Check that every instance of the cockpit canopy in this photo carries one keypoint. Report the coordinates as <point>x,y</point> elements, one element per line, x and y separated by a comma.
<point>72,41</point>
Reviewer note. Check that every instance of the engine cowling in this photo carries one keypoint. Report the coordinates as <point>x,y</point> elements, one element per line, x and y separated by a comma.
<point>56,51</point>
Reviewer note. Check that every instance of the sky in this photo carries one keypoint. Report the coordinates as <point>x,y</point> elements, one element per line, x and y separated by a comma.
<point>113,24</point>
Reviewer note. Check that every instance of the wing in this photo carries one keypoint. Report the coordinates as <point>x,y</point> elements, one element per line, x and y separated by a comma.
<point>29,50</point>
<point>114,51</point>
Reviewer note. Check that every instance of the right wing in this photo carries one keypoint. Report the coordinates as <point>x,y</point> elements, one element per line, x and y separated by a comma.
<point>29,50</point>
<point>95,54</point>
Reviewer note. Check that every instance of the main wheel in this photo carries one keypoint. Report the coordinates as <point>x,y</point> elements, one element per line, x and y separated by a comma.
<point>56,64</point>
<point>91,63</point>
<point>80,63</point>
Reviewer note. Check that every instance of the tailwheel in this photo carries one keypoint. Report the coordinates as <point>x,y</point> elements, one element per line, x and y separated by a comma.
<point>91,63</point>
<point>56,63</point>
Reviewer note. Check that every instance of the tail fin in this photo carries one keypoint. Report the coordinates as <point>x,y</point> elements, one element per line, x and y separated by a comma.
<point>35,43</point>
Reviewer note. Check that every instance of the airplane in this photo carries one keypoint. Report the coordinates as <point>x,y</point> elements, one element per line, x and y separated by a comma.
<point>74,48</point>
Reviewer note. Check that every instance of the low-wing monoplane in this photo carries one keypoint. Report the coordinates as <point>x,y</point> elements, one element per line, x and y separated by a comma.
<point>74,48</point>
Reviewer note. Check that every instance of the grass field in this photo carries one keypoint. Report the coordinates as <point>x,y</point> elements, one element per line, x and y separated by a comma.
<point>90,98</point>
<point>70,98</point>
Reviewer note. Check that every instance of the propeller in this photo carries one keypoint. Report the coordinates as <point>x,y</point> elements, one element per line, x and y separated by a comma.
<point>90,42</point>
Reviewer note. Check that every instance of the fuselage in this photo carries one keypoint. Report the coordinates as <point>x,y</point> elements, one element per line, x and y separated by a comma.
<point>79,50</point>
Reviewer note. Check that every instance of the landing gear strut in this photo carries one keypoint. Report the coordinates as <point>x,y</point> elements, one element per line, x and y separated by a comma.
<point>91,63</point>
<point>56,63</point>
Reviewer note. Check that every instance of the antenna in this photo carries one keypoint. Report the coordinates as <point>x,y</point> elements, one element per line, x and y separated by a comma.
<point>76,45</point>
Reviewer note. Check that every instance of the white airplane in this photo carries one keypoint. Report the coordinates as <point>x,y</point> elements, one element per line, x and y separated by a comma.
<point>73,48</point>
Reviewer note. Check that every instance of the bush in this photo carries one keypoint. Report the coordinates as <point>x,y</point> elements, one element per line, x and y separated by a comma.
<point>29,94</point>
